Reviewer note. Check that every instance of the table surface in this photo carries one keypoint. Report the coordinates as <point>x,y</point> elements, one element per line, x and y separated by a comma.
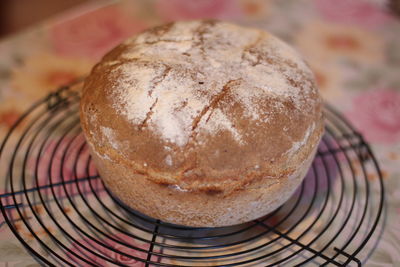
<point>353,46</point>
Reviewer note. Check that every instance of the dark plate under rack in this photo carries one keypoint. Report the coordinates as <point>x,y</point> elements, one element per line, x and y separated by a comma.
<point>57,207</point>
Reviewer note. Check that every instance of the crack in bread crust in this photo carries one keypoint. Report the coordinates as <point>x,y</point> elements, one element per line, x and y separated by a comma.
<point>214,101</point>
<point>201,31</point>
<point>248,48</point>
<point>148,115</point>
<point>159,79</point>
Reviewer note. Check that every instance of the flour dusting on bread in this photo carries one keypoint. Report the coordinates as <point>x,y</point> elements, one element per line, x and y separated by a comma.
<point>177,75</point>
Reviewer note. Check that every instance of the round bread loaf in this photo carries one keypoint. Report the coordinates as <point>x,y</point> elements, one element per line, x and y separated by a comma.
<point>202,123</point>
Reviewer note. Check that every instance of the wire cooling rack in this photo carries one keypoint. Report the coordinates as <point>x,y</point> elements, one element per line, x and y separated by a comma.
<point>58,208</point>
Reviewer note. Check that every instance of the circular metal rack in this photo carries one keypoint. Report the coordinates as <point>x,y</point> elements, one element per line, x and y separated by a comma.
<point>57,207</point>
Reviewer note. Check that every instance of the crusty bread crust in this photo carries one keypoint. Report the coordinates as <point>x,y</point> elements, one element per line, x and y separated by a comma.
<point>227,161</point>
<point>197,209</point>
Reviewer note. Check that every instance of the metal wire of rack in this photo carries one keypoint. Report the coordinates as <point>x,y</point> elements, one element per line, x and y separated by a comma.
<point>58,208</point>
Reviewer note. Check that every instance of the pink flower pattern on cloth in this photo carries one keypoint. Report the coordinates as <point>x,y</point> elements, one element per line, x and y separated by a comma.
<point>56,164</point>
<point>183,9</point>
<point>376,114</point>
<point>93,34</point>
<point>358,12</point>
<point>108,249</point>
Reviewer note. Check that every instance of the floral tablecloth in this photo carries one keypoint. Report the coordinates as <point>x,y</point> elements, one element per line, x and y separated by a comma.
<point>353,46</point>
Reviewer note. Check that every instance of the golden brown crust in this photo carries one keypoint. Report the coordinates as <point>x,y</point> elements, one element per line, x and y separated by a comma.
<point>207,107</point>
<point>197,209</point>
